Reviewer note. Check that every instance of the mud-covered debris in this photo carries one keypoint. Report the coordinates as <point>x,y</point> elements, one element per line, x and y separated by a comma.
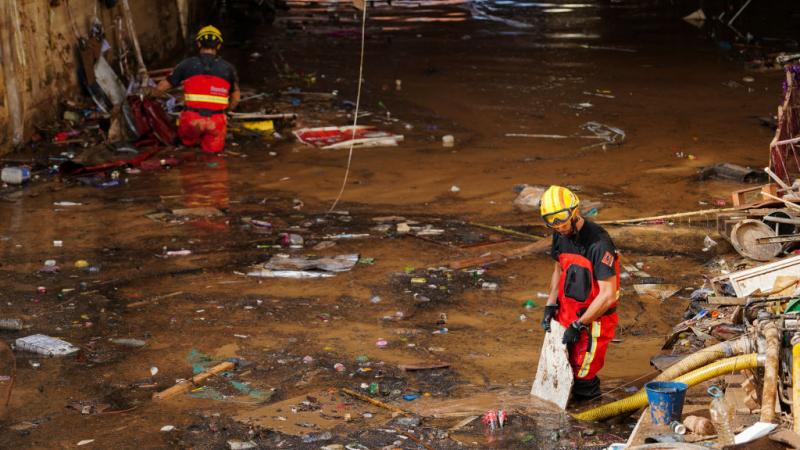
<point>235,444</point>
<point>45,345</point>
<point>285,266</point>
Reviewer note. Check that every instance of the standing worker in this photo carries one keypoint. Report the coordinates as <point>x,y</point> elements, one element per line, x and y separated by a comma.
<point>210,87</point>
<point>584,288</point>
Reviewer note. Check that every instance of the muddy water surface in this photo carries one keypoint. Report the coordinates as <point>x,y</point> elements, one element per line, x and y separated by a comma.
<point>478,71</point>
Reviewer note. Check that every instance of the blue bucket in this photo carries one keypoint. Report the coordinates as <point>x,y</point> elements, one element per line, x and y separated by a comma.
<point>666,400</point>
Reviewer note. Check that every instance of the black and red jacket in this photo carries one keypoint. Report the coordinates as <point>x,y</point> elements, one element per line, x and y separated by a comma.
<point>208,81</point>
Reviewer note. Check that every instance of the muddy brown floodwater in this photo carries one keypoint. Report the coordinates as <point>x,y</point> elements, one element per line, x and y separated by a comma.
<point>477,71</point>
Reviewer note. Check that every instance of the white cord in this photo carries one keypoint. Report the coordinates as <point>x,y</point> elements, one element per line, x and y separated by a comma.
<point>355,114</point>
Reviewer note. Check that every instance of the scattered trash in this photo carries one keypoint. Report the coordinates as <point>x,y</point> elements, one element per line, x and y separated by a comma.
<point>333,138</point>
<point>125,342</point>
<point>285,266</point>
<point>733,172</point>
<point>235,444</point>
<point>455,189</point>
<point>529,304</point>
<point>167,428</point>
<point>66,203</point>
<point>448,140</point>
<point>317,437</point>
<point>610,135</point>
<point>15,175</point>
<point>528,197</point>
<point>45,345</point>
<point>291,240</point>
<point>85,442</point>
<point>708,243</point>
<point>10,324</point>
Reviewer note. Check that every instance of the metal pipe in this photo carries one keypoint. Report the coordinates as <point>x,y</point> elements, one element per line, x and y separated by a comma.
<point>782,220</point>
<point>126,11</point>
<point>796,383</point>
<point>772,336</point>
<point>735,16</point>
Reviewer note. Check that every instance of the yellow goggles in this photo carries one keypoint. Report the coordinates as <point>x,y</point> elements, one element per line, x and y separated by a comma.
<point>559,217</point>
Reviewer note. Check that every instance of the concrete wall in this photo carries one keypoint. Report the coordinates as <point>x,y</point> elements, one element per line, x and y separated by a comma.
<point>38,51</point>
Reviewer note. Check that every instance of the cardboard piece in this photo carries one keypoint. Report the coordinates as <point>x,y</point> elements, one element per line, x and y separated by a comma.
<point>554,376</point>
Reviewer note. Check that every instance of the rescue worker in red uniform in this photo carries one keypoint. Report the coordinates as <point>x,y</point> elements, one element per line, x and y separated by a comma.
<point>584,287</point>
<point>210,87</point>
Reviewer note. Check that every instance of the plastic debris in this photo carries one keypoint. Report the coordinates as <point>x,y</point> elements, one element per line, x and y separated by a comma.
<point>235,444</point>
<point>333,138</point>
<point>45,345</point>
<point>285,266</point>
<point>125,342</point>
<point>317,437</point>
<point>10,324</point>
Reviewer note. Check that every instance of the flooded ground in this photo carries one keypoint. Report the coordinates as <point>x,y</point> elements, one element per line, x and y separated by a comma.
<point>478,71</point>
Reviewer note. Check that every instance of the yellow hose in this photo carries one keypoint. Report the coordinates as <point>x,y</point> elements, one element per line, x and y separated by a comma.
<point>706,356</point>
<point>639,399</point>
<point>796,386</point>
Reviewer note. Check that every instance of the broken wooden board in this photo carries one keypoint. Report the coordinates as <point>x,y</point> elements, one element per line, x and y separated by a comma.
<point>727,301</point>
<point>554,376</point>
<point>201,211</point>
<point>658,291</point>
<point>422,366</point>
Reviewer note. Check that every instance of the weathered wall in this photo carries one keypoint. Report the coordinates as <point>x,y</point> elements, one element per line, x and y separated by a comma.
<point>38,50</point>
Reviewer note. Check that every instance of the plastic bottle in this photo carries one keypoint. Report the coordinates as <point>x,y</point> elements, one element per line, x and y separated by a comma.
<point>15,175</point>
<point>721,414</point>
<point>10,324</point>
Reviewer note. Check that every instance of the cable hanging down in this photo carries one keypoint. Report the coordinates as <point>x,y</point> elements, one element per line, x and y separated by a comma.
<point>355,113</point>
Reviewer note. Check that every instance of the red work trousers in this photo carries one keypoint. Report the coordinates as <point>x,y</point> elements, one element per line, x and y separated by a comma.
<point>207,131</point>
<point>588,354</point>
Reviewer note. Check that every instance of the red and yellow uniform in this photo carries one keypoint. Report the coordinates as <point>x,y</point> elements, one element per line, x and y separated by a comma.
<point>585,257</point>
<point>208,82</point>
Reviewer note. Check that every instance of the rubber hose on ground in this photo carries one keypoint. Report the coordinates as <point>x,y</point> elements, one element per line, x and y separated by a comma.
<point>639,399</point>
<point>706,356</point>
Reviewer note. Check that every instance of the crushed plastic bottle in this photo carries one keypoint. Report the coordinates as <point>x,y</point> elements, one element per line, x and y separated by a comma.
<point>721,415</point>
<point>15,175</point>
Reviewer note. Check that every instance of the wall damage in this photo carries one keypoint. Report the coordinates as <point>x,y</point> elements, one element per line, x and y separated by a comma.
<point>40,58</point>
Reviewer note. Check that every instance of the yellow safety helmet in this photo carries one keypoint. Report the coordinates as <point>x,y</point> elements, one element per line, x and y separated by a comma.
<point>558,205</point>
<point>209,33</point>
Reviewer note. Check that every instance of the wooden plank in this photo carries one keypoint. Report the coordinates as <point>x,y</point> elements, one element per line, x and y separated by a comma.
<point>727,301</point>
<point>554,376</point>
<point>186,385</point>
<point>422,366</point>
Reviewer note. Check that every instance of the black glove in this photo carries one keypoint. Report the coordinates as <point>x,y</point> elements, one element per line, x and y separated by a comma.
<point>549,313</point>
<point>573,333</point>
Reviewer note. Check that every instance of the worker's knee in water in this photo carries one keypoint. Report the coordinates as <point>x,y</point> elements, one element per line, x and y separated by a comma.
<point>586,388</point>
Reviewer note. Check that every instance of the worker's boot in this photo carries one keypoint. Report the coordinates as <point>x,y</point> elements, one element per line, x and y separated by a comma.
<point>584,390</point>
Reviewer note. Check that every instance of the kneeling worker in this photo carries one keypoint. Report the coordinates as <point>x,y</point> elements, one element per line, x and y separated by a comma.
<point>210,87</point>
<point>584,287</point>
